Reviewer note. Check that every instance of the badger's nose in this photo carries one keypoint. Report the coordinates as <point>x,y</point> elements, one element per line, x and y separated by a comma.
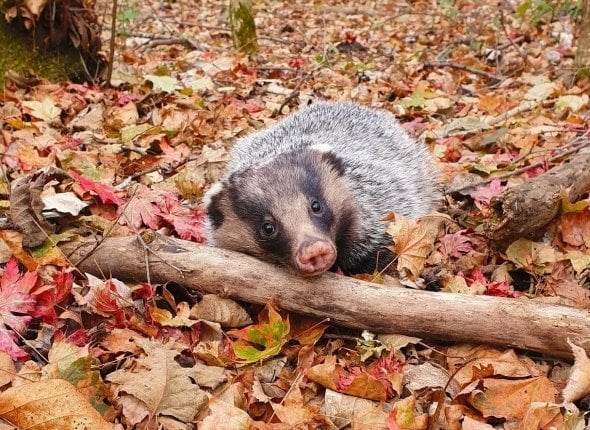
<point>315,257</point>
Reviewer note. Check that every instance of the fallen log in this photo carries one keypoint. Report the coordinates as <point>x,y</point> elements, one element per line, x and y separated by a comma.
<point>518,323</point>
<point>523,210</point>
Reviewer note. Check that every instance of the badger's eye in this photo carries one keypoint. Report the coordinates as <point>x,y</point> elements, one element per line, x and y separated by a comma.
<point>268,229</point>
<point>316,207</point>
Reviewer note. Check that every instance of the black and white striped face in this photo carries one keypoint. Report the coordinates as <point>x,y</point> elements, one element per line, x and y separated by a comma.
<point>294,209</point>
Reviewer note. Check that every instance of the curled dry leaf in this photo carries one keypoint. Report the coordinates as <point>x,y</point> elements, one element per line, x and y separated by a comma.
<point>427,375</point>
<point>346,410</point>
<point>413,242</point>
<point>224,416</point>
<point>510,399</point>
<point>578,384</point>
<point>7,369</point>
<point>505,363</point>
<point>26,206</point>
<point>224,311</point>
<point>51,404</point>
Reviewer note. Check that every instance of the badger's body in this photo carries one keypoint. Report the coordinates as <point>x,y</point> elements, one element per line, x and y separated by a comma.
<point>311,191</point>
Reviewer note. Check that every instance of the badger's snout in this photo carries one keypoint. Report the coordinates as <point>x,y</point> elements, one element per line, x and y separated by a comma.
<point>315,256</point>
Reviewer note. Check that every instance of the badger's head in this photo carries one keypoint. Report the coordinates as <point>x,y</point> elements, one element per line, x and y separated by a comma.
<point>294,209</point>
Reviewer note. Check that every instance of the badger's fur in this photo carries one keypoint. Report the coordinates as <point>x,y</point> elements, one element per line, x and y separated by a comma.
<point>312,190</point>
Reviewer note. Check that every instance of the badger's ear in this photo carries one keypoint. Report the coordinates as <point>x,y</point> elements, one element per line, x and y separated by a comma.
<point>330,157</point>
<point>212,202</point>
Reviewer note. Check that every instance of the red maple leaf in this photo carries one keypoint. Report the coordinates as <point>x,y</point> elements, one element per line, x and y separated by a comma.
<point>173,154</point>
<point>143,209</point>
<point>105,193</point>
<point>502,289</point>
<point>482,195</point>
<point>455,244</point>
<point>16,304</point>
<point>49,296</point>
<point>296,63</point>
<point>188,223</point>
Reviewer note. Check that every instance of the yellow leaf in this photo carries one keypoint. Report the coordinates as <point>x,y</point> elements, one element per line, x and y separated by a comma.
<point>50,404</point>
<point>413,242</point>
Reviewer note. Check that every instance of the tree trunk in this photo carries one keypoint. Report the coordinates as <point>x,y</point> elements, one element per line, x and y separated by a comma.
<point>582,60</point>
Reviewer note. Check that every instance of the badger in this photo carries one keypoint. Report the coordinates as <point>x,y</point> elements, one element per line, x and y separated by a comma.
<point>311,192</point>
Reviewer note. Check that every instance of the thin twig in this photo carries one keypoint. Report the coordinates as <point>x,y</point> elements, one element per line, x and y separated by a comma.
<point>522,54</point>
<point>462,67</point>
<point>105,235</point>
<point>514,172</point>
<point>112,42</point>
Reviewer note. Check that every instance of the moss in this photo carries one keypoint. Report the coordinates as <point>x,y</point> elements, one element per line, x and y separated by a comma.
<point>17,53</point>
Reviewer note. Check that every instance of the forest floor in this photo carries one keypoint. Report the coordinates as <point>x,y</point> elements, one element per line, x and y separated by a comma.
<point>489,87</point>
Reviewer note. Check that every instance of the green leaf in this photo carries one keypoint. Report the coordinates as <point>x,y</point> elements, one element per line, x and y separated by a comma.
<point>131,132</point>
<point>167,84</point>
<point>45,110</point>
<point>263,340</point>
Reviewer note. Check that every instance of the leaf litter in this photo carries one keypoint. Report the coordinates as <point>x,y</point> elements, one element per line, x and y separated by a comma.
<point>485,89</point>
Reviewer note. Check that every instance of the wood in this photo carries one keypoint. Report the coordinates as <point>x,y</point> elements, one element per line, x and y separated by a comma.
<point>582,60</point>
<point>523,210</point>
<point>518,323</point>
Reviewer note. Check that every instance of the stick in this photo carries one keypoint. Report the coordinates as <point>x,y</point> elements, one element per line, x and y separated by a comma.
<point>518,323</point>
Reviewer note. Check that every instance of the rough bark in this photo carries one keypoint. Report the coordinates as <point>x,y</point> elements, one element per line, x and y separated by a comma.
<point>519,323</point>
<point>523,210</point>
<point>582,60</point>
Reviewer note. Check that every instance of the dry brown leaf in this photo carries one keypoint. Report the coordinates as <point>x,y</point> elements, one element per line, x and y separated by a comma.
<point>121,340</point>
<point>578,384</point>
<point>162,384</point>
<point>575,228</point>
<point>225,416</point>
<point>224,311</point>
<point>510,399</point>
<point>7,369</point>
<point>427,375</point>
<point>413,242</point>
<point>293,410</point>
<point>505,363</point>
<point>541,416</point>
<point>345,410</point>
<point>329,374</point>
<point>373,418</point>
<point>471,424</point>
<point>49,404</point>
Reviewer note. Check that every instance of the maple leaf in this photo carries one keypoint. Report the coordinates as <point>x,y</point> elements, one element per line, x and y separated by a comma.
<point>143,209</point>
<point>455,244</point>
<point>534,257</point>
<point>107,298</point>
<point>156,209</point>
<point>413,242</point>
<point>36,404</point>
<point>16,305</point>
<point>262,340</point>
<point>575,228</point>
<point>172,154</point>
<point>355,380</point>
<point>49,296</point>
<point>159,386</point>
<point>510,399</point>
<point>483,194</point>
<point>503,288</point>
<point>403,416</point>
<point>188,223</point>
<point>165,317</point>
<point>105,193</point>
